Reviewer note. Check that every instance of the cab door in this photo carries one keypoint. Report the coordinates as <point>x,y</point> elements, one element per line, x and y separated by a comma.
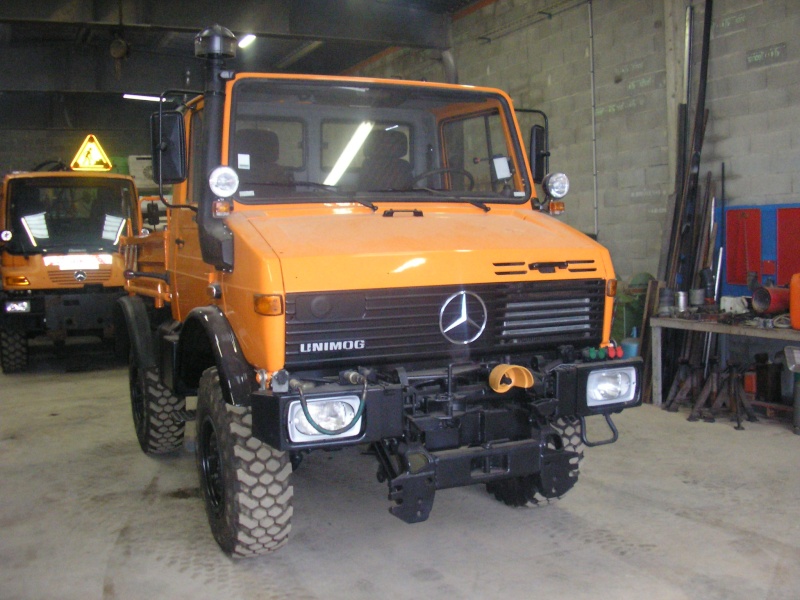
<point>189,272</point>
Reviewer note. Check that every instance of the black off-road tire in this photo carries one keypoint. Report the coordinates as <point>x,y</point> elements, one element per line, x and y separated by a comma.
<point>159,428</point>
<point>245,483</point>
<point>530,490</point>
<point>13,351</point>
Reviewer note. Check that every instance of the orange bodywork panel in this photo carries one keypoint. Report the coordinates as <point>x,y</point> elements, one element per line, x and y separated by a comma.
<point>282,248</point>
<point>294,249</point>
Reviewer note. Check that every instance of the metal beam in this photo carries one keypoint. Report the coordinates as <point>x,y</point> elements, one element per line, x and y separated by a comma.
<point>372,21</point>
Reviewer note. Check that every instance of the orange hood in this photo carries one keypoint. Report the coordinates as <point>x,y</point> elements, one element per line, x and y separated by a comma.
<point>365,250</point>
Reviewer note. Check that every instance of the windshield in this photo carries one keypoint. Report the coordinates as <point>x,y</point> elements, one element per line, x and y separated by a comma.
<point>311,140</point>
<point>66,214</point>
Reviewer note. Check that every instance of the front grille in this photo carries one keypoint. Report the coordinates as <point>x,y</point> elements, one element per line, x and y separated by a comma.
<point>372,326</point>
<point>68,277</point>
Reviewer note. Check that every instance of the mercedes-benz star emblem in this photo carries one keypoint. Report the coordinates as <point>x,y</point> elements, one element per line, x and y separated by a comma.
<point>80,276</point>
<point>462,318</point>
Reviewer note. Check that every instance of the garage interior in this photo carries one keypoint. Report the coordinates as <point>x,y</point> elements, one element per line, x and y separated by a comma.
<point>677,123</point>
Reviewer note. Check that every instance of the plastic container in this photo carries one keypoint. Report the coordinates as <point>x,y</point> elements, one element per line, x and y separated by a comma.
<point>630,346</point>
<point>794,301</point>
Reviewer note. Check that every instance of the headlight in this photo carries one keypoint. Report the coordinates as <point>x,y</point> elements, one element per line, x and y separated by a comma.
<point>328,413</point>
<point>611,386</point>
<point>556,185</point>
<point>19,306</point>
<point>223,181</point>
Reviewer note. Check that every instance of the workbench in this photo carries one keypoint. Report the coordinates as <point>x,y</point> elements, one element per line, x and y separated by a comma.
<point>659,323</point>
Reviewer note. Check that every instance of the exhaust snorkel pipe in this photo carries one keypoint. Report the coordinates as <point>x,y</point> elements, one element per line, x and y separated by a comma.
<point>214,45</point>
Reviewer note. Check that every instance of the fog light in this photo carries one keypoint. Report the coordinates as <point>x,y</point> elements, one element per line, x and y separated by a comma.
<point>18,306</point>
<point>611,386</point>
<point>224,182</point>
<point>329,413</point>
<point>556,185</point>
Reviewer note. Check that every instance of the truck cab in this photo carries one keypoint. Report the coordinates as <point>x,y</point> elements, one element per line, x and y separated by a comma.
<point>61,268</point>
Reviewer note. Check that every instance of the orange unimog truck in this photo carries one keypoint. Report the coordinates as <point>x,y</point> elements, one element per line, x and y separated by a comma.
<point>363,262</point>
<point>60,268</point>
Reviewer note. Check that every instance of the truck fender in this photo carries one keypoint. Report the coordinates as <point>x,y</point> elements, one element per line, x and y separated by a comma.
<point>207,339</point>
<point>139,332</point>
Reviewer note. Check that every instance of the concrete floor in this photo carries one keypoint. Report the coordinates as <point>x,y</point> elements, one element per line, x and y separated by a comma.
<point>673,510</point>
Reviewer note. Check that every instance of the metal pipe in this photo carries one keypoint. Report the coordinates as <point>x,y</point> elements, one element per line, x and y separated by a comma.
<point>594,118</point>
<point>449,64</point>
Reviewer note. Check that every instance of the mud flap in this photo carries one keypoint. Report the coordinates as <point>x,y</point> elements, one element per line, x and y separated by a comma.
<point>413,495</point>
<point>557,475</point>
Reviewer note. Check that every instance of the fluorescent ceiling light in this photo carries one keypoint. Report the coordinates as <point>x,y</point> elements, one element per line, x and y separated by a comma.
<point>349,152</point>
<point>247,40</point>
<point>141,97</point>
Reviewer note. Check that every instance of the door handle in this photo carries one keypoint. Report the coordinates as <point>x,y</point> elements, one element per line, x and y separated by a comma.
<point>179,242</point>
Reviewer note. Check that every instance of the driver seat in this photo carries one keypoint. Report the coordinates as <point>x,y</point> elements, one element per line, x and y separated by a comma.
<point>384,167</point>
<point>259,150</point>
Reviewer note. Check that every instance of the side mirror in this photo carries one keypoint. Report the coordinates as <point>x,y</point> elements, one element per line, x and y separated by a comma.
<point>538,153</point>
<point>168,147</point>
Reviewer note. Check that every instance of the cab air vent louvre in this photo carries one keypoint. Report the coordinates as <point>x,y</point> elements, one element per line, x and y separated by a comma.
<point>523,268</point>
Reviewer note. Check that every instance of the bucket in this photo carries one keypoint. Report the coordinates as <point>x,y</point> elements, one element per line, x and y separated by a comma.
<point>770,300</point>
<point>794,301</point>
<point>697,297</point>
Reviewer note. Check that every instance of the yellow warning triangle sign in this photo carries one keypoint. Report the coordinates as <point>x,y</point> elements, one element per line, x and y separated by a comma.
<point>91,156</point>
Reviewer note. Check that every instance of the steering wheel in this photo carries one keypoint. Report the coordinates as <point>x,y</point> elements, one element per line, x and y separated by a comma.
<point>453,170</point>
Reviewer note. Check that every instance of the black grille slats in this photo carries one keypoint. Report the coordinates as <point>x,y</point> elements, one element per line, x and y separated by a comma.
<point>397,324</point>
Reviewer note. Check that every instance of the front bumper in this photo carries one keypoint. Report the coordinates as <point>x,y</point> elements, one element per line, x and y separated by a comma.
<point>44,311</point>
<point>500,437</point>
<point>385,416</point>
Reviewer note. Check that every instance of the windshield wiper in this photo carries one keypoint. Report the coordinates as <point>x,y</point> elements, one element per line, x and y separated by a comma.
<point>482,205</point>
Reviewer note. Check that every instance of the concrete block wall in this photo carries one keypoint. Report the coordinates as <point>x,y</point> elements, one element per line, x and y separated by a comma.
<point>754,101</point>
<point>545,62</point>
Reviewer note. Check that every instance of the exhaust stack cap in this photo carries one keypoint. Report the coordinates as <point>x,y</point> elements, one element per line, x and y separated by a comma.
<point>215,42</point>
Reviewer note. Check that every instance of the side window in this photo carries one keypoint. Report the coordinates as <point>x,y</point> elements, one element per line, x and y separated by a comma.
<point>469,145</point>
<point>285,138</point>
<point>197,177</point>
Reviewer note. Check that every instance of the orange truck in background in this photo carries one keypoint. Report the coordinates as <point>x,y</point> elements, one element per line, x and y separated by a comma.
<point>362,262</point>
<point>61,272</point>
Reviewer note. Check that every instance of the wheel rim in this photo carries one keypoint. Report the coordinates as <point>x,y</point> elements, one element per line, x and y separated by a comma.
<point>137,400</point>
<point>211,465</point>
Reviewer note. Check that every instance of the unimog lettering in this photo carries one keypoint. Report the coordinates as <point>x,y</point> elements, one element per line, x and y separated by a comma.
<point>330,346</point>
<point>345,262</point>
